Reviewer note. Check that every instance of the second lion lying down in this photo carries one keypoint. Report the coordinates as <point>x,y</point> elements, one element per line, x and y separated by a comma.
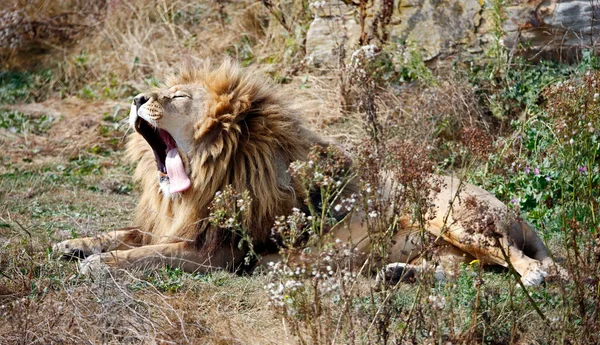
<point>214,128</point>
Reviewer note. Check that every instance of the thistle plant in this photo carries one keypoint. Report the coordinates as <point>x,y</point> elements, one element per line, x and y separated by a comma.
<point>229,211</point>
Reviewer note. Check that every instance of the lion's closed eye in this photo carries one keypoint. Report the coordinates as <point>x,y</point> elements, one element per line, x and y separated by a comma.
<point>181,95</point>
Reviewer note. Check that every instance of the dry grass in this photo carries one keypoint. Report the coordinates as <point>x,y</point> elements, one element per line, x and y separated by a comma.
<point>77,126</point>
<point>70,179</point>
<point>67,177</point>
<point>124,307</point>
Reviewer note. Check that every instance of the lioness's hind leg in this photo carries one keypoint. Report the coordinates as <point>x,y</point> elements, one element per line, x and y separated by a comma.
<point>112,240</point>
<point>488,251</point>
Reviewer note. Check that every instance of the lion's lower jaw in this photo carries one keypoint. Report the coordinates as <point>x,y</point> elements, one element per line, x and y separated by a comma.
<point>165,187</point>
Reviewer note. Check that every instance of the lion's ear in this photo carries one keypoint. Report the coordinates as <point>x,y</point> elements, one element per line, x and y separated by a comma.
<point>231,92</point>
<point>229,107</point>
<point>206,128</point>
<point>211,135</point>
<point>233,96</point>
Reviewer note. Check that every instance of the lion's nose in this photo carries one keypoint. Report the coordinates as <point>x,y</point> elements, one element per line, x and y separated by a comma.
<point>139,100</point>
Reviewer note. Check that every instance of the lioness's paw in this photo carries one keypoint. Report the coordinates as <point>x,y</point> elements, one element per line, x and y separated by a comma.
<point>535,277</point>
<point>396,272</point>
<point>402,272</point>
<point>94,264</point>
<point>555,271</point>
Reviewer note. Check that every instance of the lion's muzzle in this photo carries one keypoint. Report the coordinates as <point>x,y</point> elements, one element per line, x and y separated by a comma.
<point>168,160</point>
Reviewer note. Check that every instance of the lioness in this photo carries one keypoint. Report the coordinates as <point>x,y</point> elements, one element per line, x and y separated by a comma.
<point>211,128</point>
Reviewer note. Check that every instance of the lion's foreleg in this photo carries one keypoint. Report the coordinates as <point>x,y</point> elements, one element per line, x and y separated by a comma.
<point>184,255</point>
<point>111,240</point>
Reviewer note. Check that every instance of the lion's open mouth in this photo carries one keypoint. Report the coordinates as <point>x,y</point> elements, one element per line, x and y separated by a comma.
<point>170,164</point>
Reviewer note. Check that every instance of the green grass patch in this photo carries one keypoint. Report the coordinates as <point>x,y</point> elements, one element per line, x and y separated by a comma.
<point>17,122</point>
<point>22,86</point>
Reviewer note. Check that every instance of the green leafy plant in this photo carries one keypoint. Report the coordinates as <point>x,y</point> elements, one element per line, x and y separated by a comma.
<point>17,122</point>
<point>549,170</point>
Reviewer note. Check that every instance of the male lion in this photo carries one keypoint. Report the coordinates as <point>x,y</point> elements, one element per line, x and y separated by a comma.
<point>209,129</point>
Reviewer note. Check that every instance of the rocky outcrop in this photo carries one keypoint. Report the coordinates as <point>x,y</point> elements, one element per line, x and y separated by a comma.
<point>327,34</point>
<point>443,27</point>
<point>437,27</point>
<point>555,27</point>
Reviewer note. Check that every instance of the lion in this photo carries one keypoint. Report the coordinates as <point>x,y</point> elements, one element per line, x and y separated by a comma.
<point>210,128</point>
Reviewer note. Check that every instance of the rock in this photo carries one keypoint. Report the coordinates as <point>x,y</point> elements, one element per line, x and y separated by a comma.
<point>330,8</point>
<point>327,34</point>
<point>439,28</point>
<point>436,27</point>
<point>556,27</point>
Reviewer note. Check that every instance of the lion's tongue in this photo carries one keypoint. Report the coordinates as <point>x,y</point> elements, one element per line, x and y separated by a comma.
<point>178,179</point>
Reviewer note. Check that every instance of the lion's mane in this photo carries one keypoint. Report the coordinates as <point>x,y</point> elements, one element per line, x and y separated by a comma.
<point>245,131</point>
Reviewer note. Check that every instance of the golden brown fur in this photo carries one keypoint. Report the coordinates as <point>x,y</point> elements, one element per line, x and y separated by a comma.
<point>244,128</point>
<point>245,135</point>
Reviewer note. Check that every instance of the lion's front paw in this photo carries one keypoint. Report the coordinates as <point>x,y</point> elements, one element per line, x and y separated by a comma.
<point>94,264</point>
<point>66,250</point>
<point>74,249</point>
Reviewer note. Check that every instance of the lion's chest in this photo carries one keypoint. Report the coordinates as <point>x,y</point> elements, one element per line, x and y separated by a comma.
<point>169,219</point>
